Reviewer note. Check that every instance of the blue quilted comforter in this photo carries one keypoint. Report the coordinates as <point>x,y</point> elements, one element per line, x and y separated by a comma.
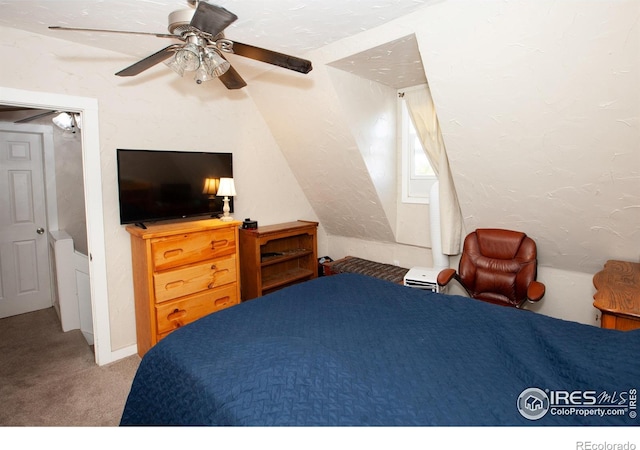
<point>353,350</point>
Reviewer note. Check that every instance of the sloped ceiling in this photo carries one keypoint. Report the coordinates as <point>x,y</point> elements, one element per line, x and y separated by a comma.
<point>396,64</point>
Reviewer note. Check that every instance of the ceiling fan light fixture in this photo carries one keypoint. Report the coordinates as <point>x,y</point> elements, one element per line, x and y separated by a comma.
<point>214,63</point>
<point>64,121</point>
<point>175,66</point>
<point>188,57</point>
<point>202,75</point>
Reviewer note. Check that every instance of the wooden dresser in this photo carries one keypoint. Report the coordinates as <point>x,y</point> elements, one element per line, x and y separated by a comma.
<point>618,295</point>
<point>181,272</point>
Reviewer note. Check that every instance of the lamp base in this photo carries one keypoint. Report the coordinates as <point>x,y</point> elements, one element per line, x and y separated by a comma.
<point>225,208</point>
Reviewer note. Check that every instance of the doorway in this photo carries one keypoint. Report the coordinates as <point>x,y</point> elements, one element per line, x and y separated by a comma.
<point>91,164</point>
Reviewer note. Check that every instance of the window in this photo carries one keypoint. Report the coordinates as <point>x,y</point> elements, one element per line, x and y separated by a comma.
<point>417,174</point>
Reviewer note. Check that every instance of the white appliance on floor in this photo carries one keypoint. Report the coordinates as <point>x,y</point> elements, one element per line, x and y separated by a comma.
<point>422,278</point>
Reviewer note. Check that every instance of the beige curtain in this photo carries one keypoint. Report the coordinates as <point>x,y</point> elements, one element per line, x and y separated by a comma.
<point>423,115</point>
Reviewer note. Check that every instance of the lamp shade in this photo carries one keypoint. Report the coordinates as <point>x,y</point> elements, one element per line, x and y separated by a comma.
<point>210,186</point>
<point>226,188</point>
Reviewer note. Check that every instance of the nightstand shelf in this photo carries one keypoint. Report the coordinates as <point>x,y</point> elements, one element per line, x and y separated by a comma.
<point>285,256</point>
<point>277,280</point>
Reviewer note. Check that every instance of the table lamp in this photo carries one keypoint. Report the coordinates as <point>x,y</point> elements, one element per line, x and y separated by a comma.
<point>226,189</point>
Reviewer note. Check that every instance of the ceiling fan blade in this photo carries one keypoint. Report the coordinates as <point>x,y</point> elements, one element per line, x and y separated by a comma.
<point>95,30</point>
<point>212,19</point>
<point>232,79</point>
<point>37,116</point>
<point>149,61</point>
<point>4,108</point>
<point>271,57</point>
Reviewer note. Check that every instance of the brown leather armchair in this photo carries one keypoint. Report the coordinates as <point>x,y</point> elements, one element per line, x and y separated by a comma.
<point>497,266</point>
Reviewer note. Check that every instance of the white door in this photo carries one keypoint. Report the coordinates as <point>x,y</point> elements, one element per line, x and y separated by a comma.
<point>24,253</point>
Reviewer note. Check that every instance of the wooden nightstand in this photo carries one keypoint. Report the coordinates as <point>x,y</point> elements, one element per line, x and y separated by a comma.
<point>276,256</point>
<point>618,295</point>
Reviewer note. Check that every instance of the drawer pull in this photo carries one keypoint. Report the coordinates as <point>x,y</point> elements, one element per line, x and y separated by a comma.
<point>222,301</point>
<point>173,253</point>
<point>219,244</point>
<point>215,274</point>
<point>177,314</point>
<point>173,285</point>
<point>213,267</point>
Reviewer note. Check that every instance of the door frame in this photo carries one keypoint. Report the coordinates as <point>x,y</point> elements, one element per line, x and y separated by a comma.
<point>91,164</point>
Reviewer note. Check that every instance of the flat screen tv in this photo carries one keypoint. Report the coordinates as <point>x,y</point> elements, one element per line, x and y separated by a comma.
<point>156,185</point>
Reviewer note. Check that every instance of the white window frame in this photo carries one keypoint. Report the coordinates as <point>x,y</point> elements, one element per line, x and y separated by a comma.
<point>415,188</point>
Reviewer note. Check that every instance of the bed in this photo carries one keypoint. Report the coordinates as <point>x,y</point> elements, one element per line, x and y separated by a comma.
<point>352,350</point>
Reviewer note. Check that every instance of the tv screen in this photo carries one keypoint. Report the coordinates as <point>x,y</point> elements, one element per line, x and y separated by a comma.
<point>159,185</point>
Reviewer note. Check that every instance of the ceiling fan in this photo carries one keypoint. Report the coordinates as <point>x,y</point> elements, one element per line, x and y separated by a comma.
<point>201,30</point>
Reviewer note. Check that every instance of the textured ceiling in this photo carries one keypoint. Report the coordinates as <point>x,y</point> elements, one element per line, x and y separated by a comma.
<point>396,64</point>
<point>288,26</point>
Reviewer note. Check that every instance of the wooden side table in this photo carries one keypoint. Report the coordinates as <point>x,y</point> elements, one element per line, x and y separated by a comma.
<point>276,256</point>
<point>618,295</point>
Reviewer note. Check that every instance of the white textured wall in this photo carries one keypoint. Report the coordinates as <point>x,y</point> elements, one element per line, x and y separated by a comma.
<point>539,103</point>
<point>70,187</point>
<point>386,252</point>
<point>156,110</point>
<point>370,112</point>
<point>569,296</point>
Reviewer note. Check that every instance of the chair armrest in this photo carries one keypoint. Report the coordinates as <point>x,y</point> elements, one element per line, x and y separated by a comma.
<point>535,291</point>
<point>445,276</point>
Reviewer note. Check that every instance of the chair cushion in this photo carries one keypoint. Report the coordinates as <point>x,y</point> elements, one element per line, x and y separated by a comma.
<point>499,244</point>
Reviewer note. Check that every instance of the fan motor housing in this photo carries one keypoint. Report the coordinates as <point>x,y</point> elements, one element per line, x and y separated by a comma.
<point>179,21</point>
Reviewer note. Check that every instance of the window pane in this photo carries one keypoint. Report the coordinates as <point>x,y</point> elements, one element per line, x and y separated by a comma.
<point>417,175</point>
<point>421,166</point>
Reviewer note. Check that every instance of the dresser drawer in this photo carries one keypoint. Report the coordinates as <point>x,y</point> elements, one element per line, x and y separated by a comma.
<point>172,315</point>
<point>188,280</point>
<point>189,248</point>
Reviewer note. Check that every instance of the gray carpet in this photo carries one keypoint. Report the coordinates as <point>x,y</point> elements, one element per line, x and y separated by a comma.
<point>50,378</point>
